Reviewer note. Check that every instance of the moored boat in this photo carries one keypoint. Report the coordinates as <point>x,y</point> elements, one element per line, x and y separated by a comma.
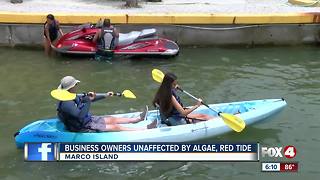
<point>145,42</point>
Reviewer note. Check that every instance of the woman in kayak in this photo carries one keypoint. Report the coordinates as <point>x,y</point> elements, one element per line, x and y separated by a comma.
<point>50,33</point>
<point>172,111</point>
<point>77,118</point>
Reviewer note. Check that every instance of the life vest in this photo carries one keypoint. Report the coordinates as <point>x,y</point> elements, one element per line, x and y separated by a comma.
<point>72,123</point>
<point>174,111</point>
<point>175,114</point>
<point>107,38</point>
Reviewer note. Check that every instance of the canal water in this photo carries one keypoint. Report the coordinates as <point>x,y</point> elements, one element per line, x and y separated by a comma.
<point>214,74</point>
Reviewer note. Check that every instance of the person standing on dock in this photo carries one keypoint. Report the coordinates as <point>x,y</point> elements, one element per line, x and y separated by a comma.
<point>50,33</point>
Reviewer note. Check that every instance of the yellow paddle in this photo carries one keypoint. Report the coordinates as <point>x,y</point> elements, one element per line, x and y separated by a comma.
<point>64,95</point>
<point>126,93</point>
<point>234,122</point>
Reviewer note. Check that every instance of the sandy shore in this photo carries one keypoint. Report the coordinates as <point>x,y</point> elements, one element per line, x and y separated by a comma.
<point>167,6</point>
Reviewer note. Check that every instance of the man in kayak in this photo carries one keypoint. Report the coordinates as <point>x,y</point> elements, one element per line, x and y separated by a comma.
<point>107,36</point>
<point>171,109</point>
<point>50,33</point>
<point>77,118</point>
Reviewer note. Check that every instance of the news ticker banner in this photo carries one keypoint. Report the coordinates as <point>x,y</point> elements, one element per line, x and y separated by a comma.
<point>140,152</point>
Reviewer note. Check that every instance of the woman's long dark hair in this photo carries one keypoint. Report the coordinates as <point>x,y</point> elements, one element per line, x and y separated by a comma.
<point>50,16</point>
<point>164,94</point>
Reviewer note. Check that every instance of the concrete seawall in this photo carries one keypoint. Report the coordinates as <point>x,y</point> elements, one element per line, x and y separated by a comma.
<point>187,29</point>
<point>206,35</point>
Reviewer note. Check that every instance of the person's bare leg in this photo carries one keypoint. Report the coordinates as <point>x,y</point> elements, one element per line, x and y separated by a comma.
<point>50,48</point>
<point>46,46</point>
<point>116,127</point>
<point>123,120</point>
<point>203,117</point>
<point>118,120</point>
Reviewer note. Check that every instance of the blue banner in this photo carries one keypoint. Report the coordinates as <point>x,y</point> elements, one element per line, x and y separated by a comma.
<point>157,147</point>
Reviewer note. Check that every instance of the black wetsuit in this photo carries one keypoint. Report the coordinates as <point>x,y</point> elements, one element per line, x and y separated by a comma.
<point>53,30</point>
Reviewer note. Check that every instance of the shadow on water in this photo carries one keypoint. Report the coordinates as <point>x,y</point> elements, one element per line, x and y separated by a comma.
<point>114,57</point>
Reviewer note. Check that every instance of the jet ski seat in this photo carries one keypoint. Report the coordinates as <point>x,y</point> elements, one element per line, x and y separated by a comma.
<point>128,38</point>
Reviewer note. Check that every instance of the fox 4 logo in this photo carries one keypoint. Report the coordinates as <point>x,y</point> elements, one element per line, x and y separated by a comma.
<point>288,151</point>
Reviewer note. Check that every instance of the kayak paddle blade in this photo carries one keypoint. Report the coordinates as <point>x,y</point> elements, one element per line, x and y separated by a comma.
<point>62,95</point>
<point>234,122</point>
<point>128,94</point>
<point>157,75</point>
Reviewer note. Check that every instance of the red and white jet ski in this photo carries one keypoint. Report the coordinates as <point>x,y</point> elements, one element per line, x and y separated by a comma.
<point>144,42</point>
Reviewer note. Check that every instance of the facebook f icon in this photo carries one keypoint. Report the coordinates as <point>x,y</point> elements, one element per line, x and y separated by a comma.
<point>40,152</point>
<point>44,150</point>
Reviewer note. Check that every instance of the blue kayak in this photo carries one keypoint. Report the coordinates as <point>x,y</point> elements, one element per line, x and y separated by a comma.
<point>53,130</point>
